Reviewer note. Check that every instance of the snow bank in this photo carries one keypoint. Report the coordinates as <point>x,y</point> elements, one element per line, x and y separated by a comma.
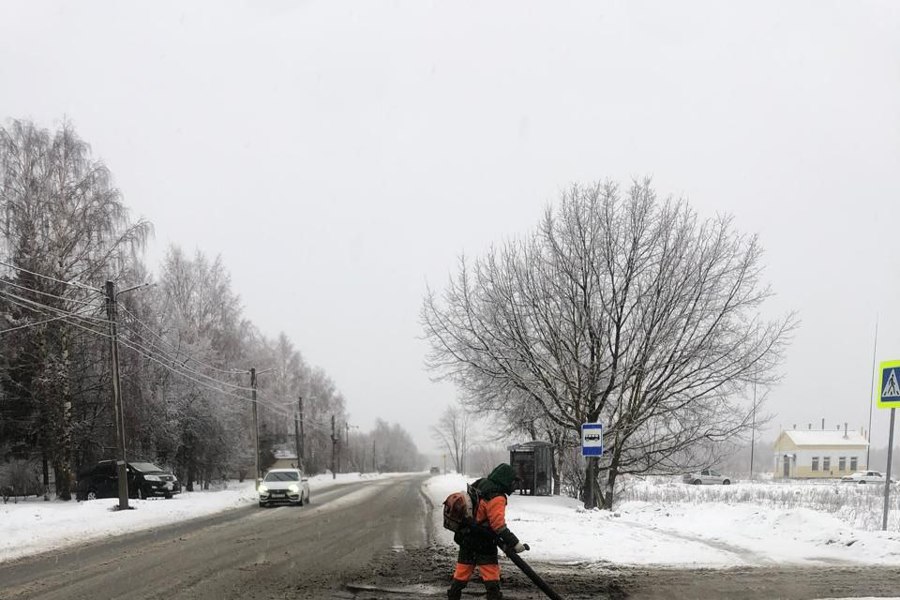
<point>684,534</point>
<point>34,526</point>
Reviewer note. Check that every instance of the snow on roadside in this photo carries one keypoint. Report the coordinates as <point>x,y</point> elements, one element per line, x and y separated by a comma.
<point>683,534</point>
<point>32,526</point>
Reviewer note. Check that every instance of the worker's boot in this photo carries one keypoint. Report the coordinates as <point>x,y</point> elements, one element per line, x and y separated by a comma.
<point>455,591</point>
<point>493,590</point>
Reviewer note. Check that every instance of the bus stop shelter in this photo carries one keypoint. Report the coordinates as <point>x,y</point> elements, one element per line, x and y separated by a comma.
<point>533,464</point>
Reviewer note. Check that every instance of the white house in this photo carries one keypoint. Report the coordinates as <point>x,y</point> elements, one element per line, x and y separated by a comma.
<point>817,453</point>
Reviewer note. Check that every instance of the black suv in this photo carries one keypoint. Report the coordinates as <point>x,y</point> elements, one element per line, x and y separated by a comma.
<point>145,480</point>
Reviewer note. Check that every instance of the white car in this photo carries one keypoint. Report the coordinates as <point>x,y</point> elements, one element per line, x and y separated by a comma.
<point>288,486</point>
<point>706,476</point>
<point>865,477</point>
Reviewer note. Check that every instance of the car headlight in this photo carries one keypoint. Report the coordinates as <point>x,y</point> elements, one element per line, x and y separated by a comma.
<point>294,488</point>
<point>151,478</point>
<point>263,489</point>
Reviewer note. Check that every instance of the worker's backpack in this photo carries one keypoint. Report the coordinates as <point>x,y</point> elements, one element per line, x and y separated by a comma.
<point>460,509</point>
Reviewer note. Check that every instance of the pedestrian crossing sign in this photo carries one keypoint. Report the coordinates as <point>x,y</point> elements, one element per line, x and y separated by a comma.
<point>889,391</point>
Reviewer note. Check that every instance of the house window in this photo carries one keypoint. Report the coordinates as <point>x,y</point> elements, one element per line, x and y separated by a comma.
<point>826,463</point>
<point>842,463</point>
<point>815,463</point>
<point>853,463</point>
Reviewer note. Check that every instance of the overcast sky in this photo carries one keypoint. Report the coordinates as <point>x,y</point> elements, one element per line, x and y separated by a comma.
<point>341,155</point>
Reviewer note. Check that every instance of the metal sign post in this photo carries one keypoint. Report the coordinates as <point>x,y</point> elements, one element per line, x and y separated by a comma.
<point>889,397</point>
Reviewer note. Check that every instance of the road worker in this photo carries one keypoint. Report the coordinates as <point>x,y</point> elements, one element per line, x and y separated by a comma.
<point>478,546</point>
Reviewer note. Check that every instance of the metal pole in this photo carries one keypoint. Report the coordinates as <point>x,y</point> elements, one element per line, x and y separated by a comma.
<point>121,465</point>
<point>753,432</point>
<point>887,475</point>
<point>255,423</point>
<point>872,393</point>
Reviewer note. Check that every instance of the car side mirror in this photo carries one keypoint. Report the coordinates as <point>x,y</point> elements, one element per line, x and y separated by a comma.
<point>304,479</point>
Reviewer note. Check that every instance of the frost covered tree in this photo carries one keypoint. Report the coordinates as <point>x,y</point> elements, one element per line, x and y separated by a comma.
<point>65,224</point>
<point>619,308</point>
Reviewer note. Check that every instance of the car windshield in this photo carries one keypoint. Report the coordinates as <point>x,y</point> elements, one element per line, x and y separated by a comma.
<point>283,476</point>
<point>145,467</point>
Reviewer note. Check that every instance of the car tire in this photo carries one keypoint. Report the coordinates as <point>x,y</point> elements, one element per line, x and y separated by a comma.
<point>300,501</point>
<point>862,482</point>
<point>91,495</point>
<point>139,494</point>
<point>167,496</point>
<point>696,482</point>
<point>307,498</point>
<point>262,505</point>
<point>726,482</point>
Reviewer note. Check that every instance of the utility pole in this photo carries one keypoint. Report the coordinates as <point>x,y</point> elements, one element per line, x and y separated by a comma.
<point>112,315</point>
<point>347,446</point>
<point>871,394</point>
<point>300,457</point>
<point>297,438</point>
<point>333,444</point>
<point>374,459</point>
<point>255,423</point>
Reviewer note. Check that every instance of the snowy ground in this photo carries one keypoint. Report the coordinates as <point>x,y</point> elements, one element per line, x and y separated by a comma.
<point>33,526</point>
<point>687,530</point>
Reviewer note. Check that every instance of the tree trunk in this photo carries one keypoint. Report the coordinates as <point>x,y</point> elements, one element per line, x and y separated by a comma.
<point>557,459</point>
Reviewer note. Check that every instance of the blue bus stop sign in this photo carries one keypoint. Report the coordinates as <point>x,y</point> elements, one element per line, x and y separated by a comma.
<point>591,439</point>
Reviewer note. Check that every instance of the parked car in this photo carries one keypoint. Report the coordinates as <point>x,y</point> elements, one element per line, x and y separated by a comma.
<point>865,477</point>
<point>435,471</point>
<point>145,480</point>
<point>706,476</point>
<point>284,486</point>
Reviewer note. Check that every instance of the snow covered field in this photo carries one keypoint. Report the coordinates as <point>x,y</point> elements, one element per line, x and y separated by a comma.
<point>33,526</point>
<point>860,506</point>
<point>697,528</point>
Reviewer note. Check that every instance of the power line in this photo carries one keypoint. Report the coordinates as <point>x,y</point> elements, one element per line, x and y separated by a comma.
<point>63,315</point>
<point>74,284</point>
<point>34,324</point>
<point>274,408</point>
<point>178,350</point>
<point>10,296</point>
<point>148,353</point>
<point>28,289</point>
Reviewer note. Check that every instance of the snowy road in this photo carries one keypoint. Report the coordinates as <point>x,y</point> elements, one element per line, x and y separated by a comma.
<point>244,553</point>
<point>357,540</point>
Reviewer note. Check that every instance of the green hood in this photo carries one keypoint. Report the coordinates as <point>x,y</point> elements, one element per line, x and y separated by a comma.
<point>500,480</point>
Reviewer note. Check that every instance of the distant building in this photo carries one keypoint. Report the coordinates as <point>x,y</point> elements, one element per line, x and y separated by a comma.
<point>284,459</point>
<point>811,454</point>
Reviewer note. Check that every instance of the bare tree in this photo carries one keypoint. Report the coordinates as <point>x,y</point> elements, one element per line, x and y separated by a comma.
<point>620,309</point>
<point>452,433</point>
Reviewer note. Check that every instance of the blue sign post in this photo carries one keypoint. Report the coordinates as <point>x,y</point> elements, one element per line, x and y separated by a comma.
<point>591,439</point>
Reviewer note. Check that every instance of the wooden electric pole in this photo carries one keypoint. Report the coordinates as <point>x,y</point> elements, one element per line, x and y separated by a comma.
<point>255,423</point>
<point>122,469</point>
<point>299,435</point>
<point>333,444</point>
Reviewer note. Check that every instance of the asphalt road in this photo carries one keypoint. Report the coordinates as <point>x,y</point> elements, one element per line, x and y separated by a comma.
<point>371,541</point>
<point>282,552</point>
